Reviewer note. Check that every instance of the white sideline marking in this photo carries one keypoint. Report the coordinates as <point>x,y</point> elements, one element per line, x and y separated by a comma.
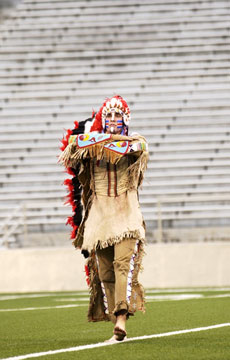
<point>217,296</point>
<point>45,308</point>
<point>149,299</point>
<point>28,296</point>
<point>93,346</point>
<point>173,297</point>
<point>180,290</point>
<point>25,296</point>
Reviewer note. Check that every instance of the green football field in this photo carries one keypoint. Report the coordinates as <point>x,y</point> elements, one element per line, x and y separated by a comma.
<point>179,324</point>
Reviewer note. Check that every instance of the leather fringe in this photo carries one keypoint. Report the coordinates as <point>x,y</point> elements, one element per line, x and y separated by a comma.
<point>71,155</point>
<point>96,311</point>
<point>135,234</point>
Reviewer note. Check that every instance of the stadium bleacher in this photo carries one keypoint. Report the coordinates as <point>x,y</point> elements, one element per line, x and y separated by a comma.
<point>170,60</point>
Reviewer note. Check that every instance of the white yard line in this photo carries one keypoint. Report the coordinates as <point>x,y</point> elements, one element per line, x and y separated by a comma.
<point>45,308</point>
<point>72,299</point>
<point>93,346</point>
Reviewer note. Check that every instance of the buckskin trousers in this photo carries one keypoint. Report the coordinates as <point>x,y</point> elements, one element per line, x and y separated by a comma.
<point>118,267</point>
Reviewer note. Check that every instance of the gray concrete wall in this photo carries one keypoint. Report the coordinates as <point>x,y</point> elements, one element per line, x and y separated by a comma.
<point>165,265</point>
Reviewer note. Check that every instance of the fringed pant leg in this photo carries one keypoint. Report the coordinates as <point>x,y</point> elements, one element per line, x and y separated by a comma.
<point>129,294</point>
<point>107,277</point>
<point>119,266</point>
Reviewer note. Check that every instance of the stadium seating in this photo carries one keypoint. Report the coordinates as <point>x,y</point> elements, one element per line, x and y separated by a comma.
<point>170,60</point>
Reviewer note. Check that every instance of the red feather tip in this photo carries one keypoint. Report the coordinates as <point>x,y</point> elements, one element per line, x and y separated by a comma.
<point>69,184</point>
<point>76,123</point>
<point>65,139</point>
<point>68,133</point>
<point>70,171</point>
<point>86,270</point>
<point>87,273</point>
<point>70,198</point>
<point>93,113</point>
<point>69,221</point>
<point>64,144</point>
<point>74,207</point>
<point>67,181</point>
<point>74,232</point>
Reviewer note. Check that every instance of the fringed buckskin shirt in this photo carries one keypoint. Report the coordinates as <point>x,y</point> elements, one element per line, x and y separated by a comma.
<point>115,212</point>
<point>110,195</point>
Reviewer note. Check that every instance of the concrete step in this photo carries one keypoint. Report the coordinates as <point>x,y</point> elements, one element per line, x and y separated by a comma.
<point>34,217</point>
<point>180,98</point>
<point>166,31</point>
<point>123,54</point>
<point>32,206</point>
<point>56,168</point>
<point>154,183</point>
<point>72,36</point>
<point>57,172</point>
<point>56,178</point>
<point>39,10</point>
<point>44,213</point>
<point>173,154</point>
<point>155,132</point>
<point>194,181</point>
<point>146,104</point>
<point>116,86</point>
<point>182,142</point>
<point>135,125</point>
<point>158,152</point>
<point>201,163</point>
<point>70,45</point>
<point>11,99</point>
<point>179,68</point>
<point>206,215</point>
<point>145,194</point>
<point>148,215</point>
<point>133,20</point>
<point>160,58</point>
<point>189,191</point>
<point>60,4</point>
<point>151,75</point>
<point>197,172</point>
<point>35,196</point>
<point>72,113</point>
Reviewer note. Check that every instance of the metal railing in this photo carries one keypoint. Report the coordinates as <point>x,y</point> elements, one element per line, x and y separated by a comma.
<point>18,216</point>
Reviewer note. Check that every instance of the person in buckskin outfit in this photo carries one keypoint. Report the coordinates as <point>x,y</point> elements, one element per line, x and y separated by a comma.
<point>110,168</point>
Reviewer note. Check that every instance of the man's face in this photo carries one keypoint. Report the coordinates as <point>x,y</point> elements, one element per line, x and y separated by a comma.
<point>113,123</point>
